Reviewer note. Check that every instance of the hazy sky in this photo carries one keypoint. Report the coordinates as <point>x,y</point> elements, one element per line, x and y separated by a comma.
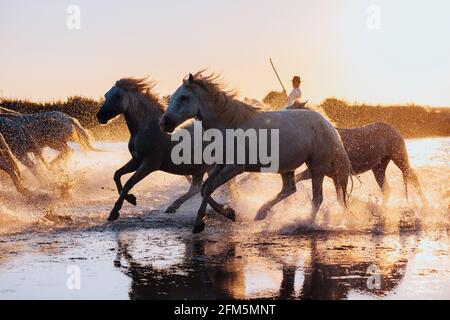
<point>327,42</point>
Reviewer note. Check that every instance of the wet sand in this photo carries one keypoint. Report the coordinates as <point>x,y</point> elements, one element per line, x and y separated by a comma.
<point>149,254</point>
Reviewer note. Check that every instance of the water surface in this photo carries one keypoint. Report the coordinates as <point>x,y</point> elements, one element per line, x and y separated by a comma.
<point>401,252</point>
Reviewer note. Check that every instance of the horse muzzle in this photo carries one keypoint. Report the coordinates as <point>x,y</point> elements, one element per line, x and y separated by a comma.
<point>101,119</point>
<point>167,124</point>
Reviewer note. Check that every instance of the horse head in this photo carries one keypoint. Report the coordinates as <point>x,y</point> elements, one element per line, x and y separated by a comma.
<point>113,105</point>
<point>183,105</point>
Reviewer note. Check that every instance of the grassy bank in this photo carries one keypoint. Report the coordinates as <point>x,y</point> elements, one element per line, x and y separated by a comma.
<point>411,120</point>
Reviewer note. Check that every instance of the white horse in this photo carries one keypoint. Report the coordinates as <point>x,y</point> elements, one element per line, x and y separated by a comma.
<point>304,137</point>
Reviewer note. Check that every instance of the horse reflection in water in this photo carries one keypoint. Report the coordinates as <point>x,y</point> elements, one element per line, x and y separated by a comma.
<point>199,279</point>
<point>219,270</point>
<point>332,276</point>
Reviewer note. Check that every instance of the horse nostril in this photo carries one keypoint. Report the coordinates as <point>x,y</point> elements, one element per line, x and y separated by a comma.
<point>166,124</point>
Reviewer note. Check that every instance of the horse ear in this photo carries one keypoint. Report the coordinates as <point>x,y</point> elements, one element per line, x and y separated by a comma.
<point>191,78</point>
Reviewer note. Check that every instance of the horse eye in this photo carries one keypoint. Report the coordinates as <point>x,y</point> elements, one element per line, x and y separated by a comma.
<point>117,96</point>
<point>184,98</point>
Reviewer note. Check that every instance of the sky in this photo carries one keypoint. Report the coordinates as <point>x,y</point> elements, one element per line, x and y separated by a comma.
<point>385,51</point>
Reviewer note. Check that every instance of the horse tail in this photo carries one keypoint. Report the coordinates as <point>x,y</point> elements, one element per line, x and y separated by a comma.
<point>8,157</point>
<point>401,160</point>
<point>343,171</point>
<point>81,136</point>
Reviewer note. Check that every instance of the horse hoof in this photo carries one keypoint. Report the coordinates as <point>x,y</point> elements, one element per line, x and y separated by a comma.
<point>229,213</point>
<point>131,198</point>
<point>261,215</point>
<point>170,210</point>
<point>198,228</point>
<point>114,215</point>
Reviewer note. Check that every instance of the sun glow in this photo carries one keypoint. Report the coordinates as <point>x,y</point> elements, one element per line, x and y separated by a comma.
<point>330,44</point>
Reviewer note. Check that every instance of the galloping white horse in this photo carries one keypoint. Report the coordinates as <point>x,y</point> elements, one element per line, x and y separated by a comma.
<point>305,137</point>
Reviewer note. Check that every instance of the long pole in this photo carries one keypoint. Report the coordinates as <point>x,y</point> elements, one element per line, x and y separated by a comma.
<point>276,73</point>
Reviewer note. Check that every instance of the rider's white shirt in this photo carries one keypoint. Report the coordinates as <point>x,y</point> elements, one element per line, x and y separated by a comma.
<point>295,94</point>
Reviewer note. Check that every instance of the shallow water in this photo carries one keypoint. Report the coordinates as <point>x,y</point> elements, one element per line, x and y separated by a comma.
<point>150,254</point>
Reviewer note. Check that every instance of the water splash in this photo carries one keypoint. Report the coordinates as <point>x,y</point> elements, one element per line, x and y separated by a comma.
<point>83,194</point>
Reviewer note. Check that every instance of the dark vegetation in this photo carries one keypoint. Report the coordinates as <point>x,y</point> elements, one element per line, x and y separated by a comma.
<point>411,120</point>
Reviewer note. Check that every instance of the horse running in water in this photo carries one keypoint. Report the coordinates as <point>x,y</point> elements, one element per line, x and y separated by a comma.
<point>150,148</point>
<point>53,129</point>
<point>372,147</point>
<point>311,140</point>
<point>21,143</point>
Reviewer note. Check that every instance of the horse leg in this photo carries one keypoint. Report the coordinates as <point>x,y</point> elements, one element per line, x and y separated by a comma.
<point>219,208</point>
<point>38,155</point>
<point>227,212</point>
<point>199,225</point>
<point>64,154</point>
<point>193,190</point>
<point>304,175</point>
<point>219,178</point>
<point>145,168</point>
<point>212,173</point>
<point>196,183</point>
<point>380,176</point>
<point>25,159</point>
<point>15,177</point>
<point>340,192</point>
<point>288,189</point>
<point>317,181</point>
<point>130,166</point>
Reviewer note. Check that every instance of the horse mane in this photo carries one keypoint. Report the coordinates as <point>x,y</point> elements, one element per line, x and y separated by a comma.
<point>141,86</point>
<point>225,99</point>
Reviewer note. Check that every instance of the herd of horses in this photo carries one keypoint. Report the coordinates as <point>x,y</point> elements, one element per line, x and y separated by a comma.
<point>306,137</point>
<point>312,140</point>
